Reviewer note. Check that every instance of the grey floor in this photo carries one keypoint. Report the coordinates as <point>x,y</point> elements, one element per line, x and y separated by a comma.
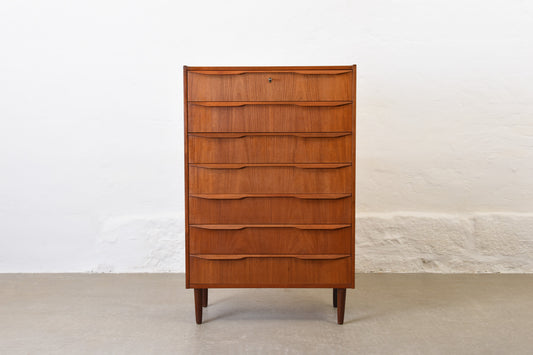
<point>154,314</point>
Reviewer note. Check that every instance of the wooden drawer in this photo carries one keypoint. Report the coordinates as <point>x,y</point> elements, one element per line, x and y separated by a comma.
<point>268,117</point>
<point>269,178</point>
<point>270,239</point>
<point>270,147</point>
<point>271,271</point>
<point>266,209</point>
<point>298,85</point>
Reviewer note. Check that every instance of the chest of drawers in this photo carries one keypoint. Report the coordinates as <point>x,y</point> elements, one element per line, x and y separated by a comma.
<point>270,179</point>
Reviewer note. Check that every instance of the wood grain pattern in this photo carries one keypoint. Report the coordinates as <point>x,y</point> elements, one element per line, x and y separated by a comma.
<point>270,117</point>
<point>270,148</point>
<point>264,210</point>
<point>270,272</point>
<point>269,179</point>
<point>255,86</point>
<point>270,239</point>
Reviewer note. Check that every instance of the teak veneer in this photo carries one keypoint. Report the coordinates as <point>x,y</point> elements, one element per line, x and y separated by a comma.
<point>270,179</point>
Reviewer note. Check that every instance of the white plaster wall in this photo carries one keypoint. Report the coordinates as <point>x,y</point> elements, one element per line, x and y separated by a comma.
<point>91,125</point>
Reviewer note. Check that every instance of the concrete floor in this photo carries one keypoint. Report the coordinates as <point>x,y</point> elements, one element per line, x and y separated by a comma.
<point>154,314</point>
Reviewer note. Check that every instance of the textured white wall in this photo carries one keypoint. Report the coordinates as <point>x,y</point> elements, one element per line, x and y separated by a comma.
<point>91,136</point>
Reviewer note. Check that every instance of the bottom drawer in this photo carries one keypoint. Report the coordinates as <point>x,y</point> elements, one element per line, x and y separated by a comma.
<point>271,271</point>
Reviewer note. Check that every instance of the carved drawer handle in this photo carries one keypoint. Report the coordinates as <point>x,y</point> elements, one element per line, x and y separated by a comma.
<point>295,256</point>
<point>319,196</point>
<point>297,166</point>
<point>291,103</point>
<point>295,226</point>
<point>274,134</point>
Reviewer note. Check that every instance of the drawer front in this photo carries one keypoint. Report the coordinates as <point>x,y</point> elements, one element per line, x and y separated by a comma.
<point>274,148</point>
<point>264,117</point>
<point>309,85</point>
<point>242,209</point>
<point>270,239</point>
<point>296,178</point>
<point>270,272</point>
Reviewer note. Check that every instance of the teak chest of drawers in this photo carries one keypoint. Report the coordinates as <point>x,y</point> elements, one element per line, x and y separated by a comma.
<point>270,179</point>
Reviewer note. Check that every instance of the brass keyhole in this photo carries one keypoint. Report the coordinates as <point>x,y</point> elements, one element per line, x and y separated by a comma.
<point>269,80</point>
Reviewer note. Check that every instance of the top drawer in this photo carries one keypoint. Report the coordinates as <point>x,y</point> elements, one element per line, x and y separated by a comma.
<point>297,85</point>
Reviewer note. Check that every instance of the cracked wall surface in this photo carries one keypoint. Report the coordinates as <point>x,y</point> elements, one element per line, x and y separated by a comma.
<point>482,242</point>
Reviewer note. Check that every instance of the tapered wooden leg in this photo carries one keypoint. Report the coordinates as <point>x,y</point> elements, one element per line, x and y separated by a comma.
<point>341,300</point>
<point>334,297</point>
<point>198,304</point>
<point>204,297</point>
